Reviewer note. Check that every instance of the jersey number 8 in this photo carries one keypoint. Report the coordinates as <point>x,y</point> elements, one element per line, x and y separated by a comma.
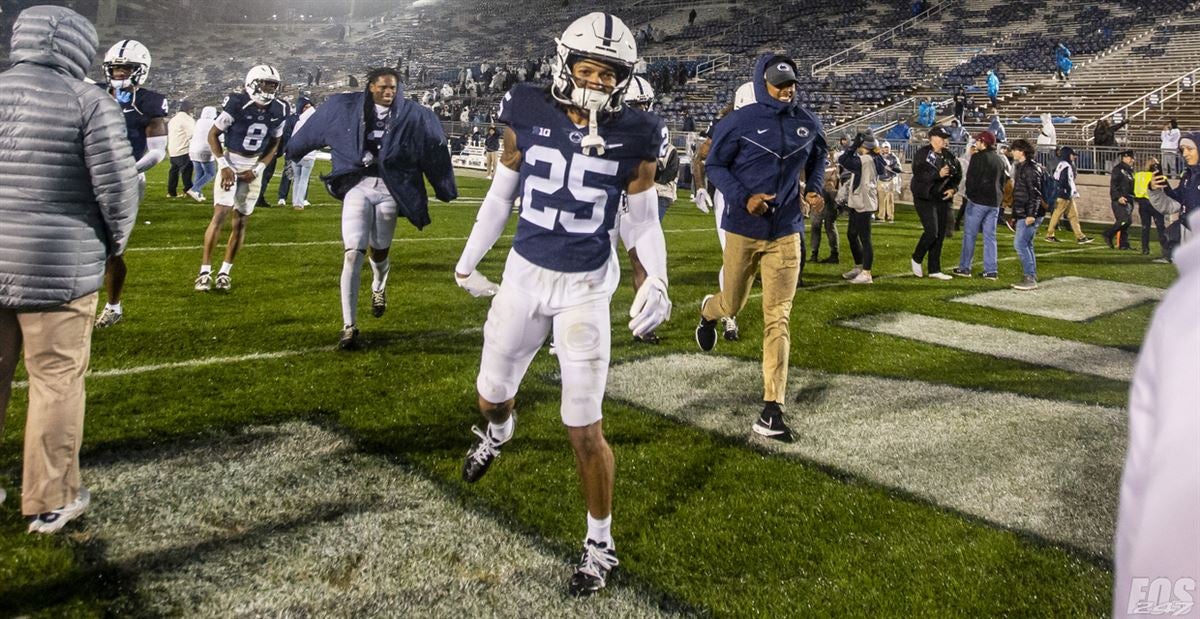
<point>255,135</point>
<point>546,217</point>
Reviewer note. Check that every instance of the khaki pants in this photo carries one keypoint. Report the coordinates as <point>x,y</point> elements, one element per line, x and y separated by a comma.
<point>887,201</point>
<point>1065,207</point>
<point>58,344</point>
<point>780,262</point>
<point>490,159</point>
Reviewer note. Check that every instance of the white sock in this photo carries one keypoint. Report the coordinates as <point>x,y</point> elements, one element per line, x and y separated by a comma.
<point>600,530</point>
<point>380,272</point>
<point>351,277</point>
<point>205,268</point>
<point>226,267</point>
<point>502,431</point>
<point>114,307</point>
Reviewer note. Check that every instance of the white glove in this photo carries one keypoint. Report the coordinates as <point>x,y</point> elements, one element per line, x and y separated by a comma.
<point>700,197</point>
<point>477,284</point>
<point>650,308</point>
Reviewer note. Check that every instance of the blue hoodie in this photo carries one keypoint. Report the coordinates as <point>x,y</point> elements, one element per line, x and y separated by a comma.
<point>763,148</point>
<point>1187,192</point>
<point>993,84</point>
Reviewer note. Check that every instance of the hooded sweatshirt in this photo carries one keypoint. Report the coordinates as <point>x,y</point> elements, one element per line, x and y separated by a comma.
<point>763,148</point>
<point>1048,135</point>
<point>199,149</point>
<point>1065,173</point>
<point>1187,192</point>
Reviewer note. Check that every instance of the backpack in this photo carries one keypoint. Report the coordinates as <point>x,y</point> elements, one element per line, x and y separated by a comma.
<point>1049,187</point>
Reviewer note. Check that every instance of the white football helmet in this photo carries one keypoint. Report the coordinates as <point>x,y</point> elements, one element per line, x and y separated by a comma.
<point>127,53</point>
<point>640,91</point>
<point>603,38</point>
<point>744,96</point>
<point>254,80</point>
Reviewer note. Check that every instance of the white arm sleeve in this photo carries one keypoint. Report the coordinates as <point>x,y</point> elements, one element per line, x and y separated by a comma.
<point>489,223</point>
<point>641,230</point>
<point>156,150</point>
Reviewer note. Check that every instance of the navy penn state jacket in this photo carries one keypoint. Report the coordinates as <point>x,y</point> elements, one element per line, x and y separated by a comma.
<point>414,147</point>
<point>763,148</point>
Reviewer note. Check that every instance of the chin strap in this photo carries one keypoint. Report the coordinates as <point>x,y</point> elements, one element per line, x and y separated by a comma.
<point>592,141</point>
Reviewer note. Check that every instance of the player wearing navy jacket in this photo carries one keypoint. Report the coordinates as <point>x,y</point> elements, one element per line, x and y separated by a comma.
<point>126,70</point>
<point>252,121</point>
<point>569,152</point>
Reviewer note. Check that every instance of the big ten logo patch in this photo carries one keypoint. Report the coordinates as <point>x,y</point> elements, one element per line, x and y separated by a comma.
<point>1161,596</point>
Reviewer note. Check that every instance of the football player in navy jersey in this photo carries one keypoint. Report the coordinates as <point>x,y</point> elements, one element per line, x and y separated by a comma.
<point>126,69</point>
<point>569,152</point>
<point>252,121</point>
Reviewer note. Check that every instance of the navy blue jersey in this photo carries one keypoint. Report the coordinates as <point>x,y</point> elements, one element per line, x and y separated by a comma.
<point>249,128</point>
<point>375,125</point>
<point>141,107</point>
<point>569,200</point>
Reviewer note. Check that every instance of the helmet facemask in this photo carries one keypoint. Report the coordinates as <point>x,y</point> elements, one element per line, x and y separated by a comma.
<point>136,77</point>
<point>258,94</point>
<point>567,89</point>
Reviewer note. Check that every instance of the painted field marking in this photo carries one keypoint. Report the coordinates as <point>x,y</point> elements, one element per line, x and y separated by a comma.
<point>1067,298</point>
<point>1049,467</point>
<point>1042,350</point>
<point>294,519</point>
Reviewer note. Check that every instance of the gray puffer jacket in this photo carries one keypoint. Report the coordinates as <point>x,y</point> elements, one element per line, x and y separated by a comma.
<point>68,185</point>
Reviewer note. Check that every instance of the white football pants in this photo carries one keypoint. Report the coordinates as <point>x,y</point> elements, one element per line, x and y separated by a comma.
<point>368,220</point>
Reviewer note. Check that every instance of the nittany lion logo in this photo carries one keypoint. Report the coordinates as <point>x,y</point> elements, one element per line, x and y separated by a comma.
<point>783,66</point>
<point>802,132</point>
<point>575,137</point>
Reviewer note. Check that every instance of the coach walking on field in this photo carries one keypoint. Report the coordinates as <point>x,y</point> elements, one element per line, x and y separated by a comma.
<point>63,212</point>
<point>758,153</point>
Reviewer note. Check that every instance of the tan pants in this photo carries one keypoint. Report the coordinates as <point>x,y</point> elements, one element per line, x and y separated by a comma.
<point>887,201</point>
<point>490,158</point>
<point>1065,207</point>
<point>58,345</point>
<point>780,262</point>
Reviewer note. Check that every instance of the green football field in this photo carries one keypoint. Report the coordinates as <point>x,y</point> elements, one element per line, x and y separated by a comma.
<point>953,458</point>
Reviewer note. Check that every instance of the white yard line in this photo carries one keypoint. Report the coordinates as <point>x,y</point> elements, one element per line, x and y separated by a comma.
<point>432,239</point>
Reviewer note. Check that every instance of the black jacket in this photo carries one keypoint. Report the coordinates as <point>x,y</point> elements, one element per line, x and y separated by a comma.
<point>1120,184</point>
<point>986,177</point>
<point>927,187</point>
<point>1027,190</point>
<point>1107,136</point>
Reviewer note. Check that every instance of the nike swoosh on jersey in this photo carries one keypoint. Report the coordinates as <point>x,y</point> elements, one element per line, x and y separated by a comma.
<point>127,110</point>
<point>762,131</point>
<point>617,145</point>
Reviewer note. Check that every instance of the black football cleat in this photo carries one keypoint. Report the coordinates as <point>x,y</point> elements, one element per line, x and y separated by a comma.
<point>594,569</point>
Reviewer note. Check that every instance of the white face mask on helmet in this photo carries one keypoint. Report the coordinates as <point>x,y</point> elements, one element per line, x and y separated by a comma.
<point>255,79</point>
<point>640,91</point>
<point>127,53</point>
<point>602,38</point>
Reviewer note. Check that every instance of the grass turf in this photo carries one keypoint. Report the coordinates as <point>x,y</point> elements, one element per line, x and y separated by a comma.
<point>707,523</point>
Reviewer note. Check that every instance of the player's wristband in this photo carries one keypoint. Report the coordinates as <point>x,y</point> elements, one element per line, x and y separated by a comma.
<point>258,169</point>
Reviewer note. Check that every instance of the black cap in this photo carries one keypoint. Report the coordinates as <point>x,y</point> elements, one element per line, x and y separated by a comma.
<point>780,72</point>
<point>1128,152</point>
<point>939,131</point>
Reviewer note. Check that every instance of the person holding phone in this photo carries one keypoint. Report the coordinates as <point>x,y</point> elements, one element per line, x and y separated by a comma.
<point>1184,197</point>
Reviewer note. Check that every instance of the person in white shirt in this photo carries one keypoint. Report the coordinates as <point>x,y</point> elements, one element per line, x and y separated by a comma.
<point>1157,554</point>
<point>1170,147</point>
<point>179,139</point>
<point>302,170</point>
<point>201,155</point>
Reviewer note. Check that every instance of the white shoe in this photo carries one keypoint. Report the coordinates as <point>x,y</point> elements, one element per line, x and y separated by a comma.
<point>939,275</point>
<point>204,282</point>
<point>108,318</point>
<point>306,203</point>
<point>195,195</point>
<point>852,273</point>
<point>281,202</point>
<point>223,282</point>
<point>916,268</point>
<point>863,277</point>
<point>52,522</point>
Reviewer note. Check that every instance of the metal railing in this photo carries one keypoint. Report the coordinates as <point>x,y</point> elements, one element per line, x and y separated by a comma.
<point>708,66</point>
<point>1149,101</point>
<point>826,63</point>
<point>890,114</point>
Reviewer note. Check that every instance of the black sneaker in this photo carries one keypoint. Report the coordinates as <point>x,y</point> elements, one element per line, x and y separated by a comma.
<point>1052,239</point>
<point>991,275</point>
<point>378,302</point>
<point>596,565</point>
<point>706,331</point>
<point>349,338</point>
<point>649,338</point>
<point>770,424</point>
<point>960,272</point>
<point>1084,241</point>
<point>832,259</point>
<point>479,457</point>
